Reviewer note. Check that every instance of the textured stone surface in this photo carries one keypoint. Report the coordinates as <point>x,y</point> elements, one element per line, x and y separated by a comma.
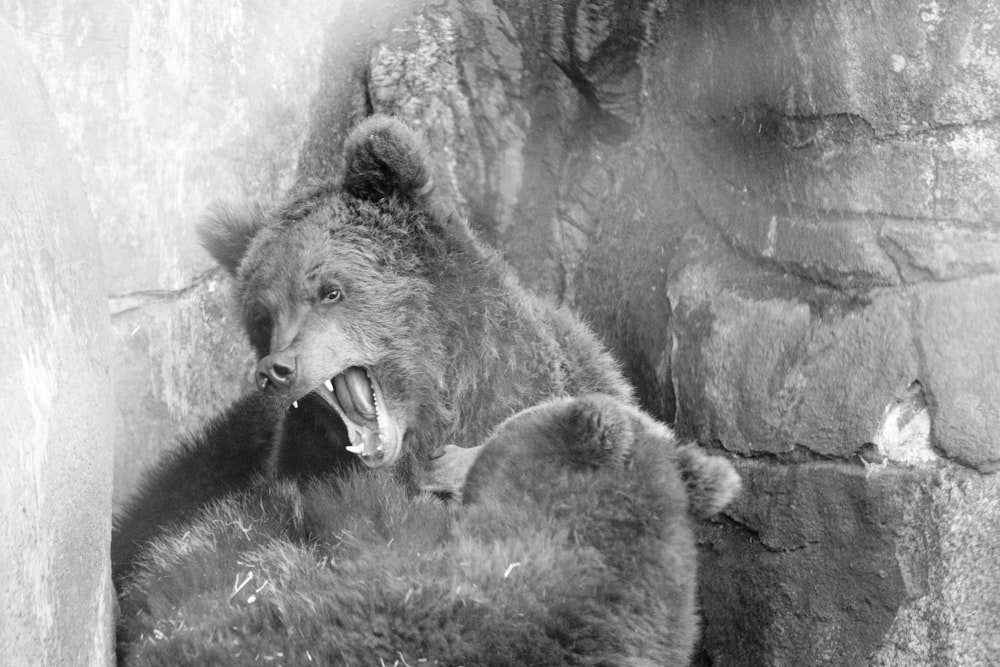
<point>902,66</point>
<point>808,604</point>
<point>950,558</point>
<point>765,367</point>
<point>56,417</point>
<point>623,228</point>
<point>891,567</point>
<point>169,107</point>
<point>959,324</point>
<point>833,306</point>
<point>838,141</point>
<point>180,358</point>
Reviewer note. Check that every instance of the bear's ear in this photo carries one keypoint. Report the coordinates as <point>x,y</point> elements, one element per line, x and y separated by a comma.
<point>712,481</point>
<point>383,159</point>
<point>227,230</point>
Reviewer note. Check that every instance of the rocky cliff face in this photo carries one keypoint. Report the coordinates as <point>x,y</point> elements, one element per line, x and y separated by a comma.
<point>784,217</point>
<point>56,416</point>
<point>167,107</point>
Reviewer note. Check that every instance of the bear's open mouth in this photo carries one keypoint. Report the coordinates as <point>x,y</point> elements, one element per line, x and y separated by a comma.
<point>356,396</point>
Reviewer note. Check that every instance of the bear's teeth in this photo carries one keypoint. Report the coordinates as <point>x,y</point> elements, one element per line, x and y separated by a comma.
<point>356,446</point>
<point>329,385</point>
<point>295,405</point>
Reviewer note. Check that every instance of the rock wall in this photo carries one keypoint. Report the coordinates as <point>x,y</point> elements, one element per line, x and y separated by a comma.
<point>56,415</point>
<point>784,218</point>
<point>834,300</point>
<point>169,106</point>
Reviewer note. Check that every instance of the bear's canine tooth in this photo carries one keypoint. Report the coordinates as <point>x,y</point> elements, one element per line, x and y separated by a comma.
<point>295,405</point>
<point>357,444</point>
<point>329,385</point>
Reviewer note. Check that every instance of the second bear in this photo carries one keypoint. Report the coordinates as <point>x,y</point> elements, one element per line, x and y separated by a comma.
<point>573,545</point>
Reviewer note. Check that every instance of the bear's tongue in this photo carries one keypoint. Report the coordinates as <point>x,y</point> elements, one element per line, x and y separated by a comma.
<point>354,393</point>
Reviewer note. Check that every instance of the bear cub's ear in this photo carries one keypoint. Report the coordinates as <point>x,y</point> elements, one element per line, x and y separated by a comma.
<point>384,159</point>
<point>227,230</point>
<point>598,430</point>
<point>712,481</point>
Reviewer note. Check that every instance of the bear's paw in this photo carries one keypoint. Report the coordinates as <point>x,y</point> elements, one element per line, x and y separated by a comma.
<point>599,431</point>
<point>712,481</point>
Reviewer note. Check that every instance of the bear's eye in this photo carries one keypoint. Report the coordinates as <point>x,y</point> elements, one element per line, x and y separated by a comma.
<point>331,294</point>
<point>260,319</point>
<point>259,330</point>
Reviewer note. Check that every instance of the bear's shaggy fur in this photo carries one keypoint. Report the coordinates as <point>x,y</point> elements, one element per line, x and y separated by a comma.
<point>231,451</point>
<point>387,334</point>
<point>435,319</point>
<point>573,545</point>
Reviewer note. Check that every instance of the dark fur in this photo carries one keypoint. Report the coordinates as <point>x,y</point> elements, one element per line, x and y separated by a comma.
<point>574,546</point>
<point>232,450</point>
<point>195,474</point>
<point>458,347</point>
<point>385,159</point>
<point>462,345</point>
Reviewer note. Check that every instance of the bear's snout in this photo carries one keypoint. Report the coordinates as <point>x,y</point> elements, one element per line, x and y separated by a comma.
<point>276,371</point>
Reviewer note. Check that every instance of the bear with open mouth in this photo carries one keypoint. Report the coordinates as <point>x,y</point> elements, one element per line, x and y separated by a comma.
<point>388,336</point>
<point>390,340</point>
<point>371,296</point>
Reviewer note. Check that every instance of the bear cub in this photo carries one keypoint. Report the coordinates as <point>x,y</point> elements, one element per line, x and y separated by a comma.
<point>573,545</point>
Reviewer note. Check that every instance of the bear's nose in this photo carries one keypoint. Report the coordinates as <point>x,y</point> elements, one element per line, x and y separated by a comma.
<point>276,371</point>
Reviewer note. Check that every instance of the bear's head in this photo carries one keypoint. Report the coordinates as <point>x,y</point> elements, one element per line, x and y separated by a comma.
<point>559,443</point>
<point>334,290</point>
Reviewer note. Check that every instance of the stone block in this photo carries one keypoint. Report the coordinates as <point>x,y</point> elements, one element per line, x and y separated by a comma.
<point>833,564</point>
<point>952,558</point>
<point>767,363</point>
<point>959,324</point>
<point>804,569</point>
<point>940,252</point>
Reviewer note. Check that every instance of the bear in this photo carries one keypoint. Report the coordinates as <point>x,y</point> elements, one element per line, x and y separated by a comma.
<point>572,544</point>
<point>397,354</point>
<point>388,336</point>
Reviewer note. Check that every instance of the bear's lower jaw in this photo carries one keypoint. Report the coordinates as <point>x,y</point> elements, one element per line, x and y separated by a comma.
<point>376,437</point>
